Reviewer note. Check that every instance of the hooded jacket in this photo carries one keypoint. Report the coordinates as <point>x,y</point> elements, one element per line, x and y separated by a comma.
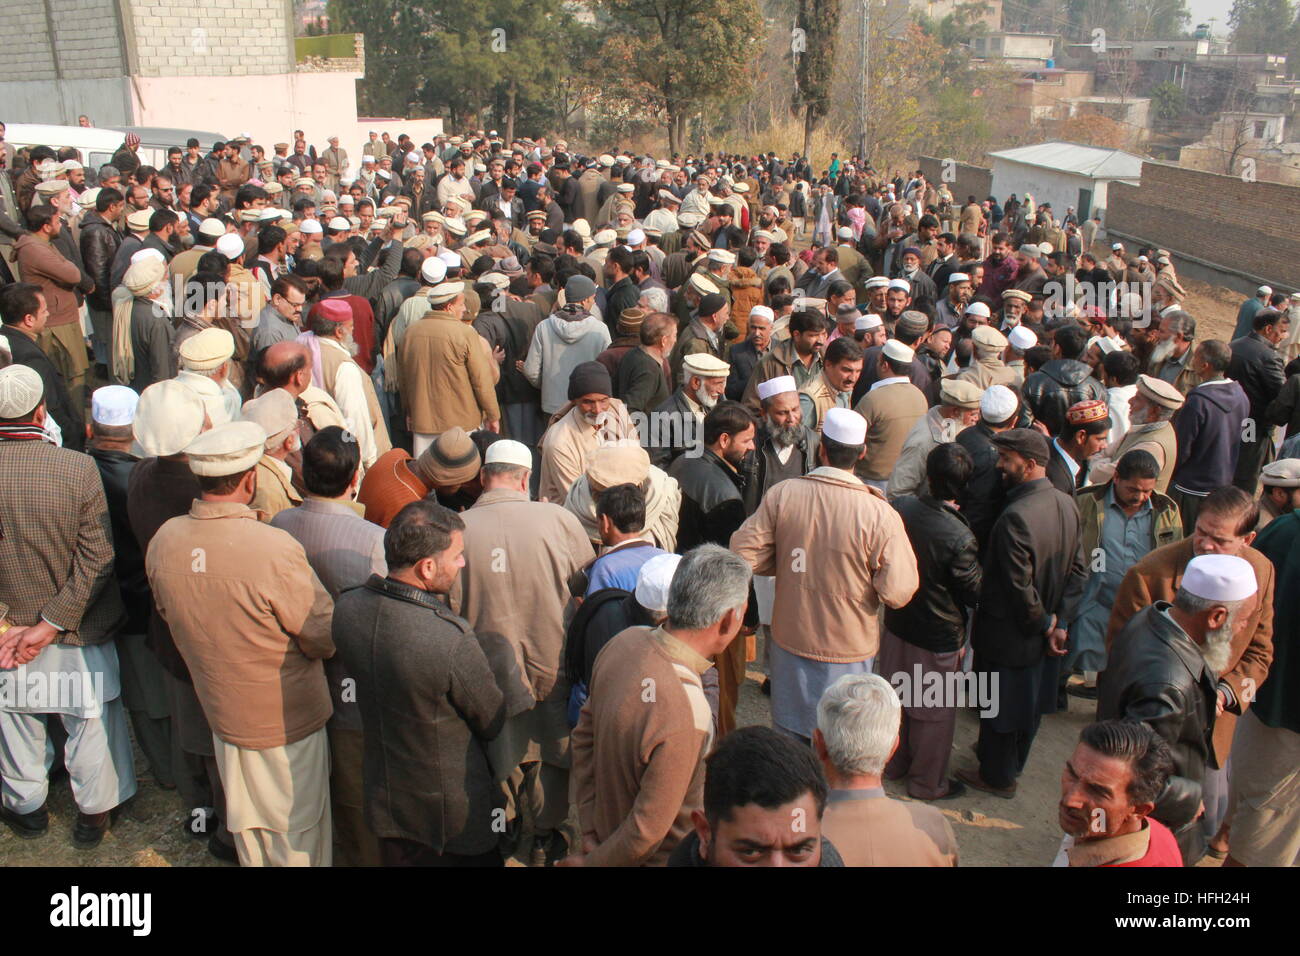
<point>1209,432</point>
<point>565,339</point>
<point>1056,386</point>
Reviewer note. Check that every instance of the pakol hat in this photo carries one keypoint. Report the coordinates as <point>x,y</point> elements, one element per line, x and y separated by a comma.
<point>228,449</point>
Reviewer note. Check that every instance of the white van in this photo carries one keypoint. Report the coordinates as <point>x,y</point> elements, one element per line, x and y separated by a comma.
<point>97,146</point>
<point>156,140</point>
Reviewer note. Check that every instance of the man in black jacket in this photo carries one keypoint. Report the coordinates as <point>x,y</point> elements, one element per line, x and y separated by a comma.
<point>428,700</point>
<point>1062,382</point>
<point>1163,671</point>
<point>713,507</point>
<point>784,447</point>
<point>145,695</point>
<point>1257,367</point>
<point>981,499</point>
<point>928,634</point>
<point>24,313</point>
<point>1034,574</point>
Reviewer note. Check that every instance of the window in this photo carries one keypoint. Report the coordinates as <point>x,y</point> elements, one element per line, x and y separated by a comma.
<point>1260,127</point>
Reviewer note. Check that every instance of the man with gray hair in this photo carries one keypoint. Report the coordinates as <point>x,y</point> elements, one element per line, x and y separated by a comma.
<point>857,732</point>
<point>1164,669</point>
<point>640,743</point>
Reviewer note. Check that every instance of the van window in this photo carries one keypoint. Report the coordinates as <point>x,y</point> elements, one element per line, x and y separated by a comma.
<point>99,159</point>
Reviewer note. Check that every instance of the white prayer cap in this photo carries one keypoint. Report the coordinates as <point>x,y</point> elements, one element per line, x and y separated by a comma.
<point>508,452</point>
<point>1264,290</point>
<point>898,352</point>
<point>269,214</point>
<point>1283,473</point>
<point>777,386</point>
<point>212,227</point>
<point>228,449</point>
<point>168,417</point>
<point>763,312</point>
<point>1022,339</point>
<point>1045,249</point>
<point>654,580</point>
<point>1103,342</point>
<point>433,270</point>
<point>328,197</point>
<point>338,222</point>
<point>625,188</point>
<point>21,390</point>
<point>450,259</point>
<point>231,245</point>
<point>384,174</point>
<point>901,284</point>
<point>877,282</point>
<point>207,350</point>
<point>310,227</point>
<point>87,199</point>
<point>998,403</point>
<point>1219,577</point>
<point>723,256</point>
<point>582,228</point>
<point>868,322</point>
<point>113,405</point>
<point>412,157</point>
<point>70,164</point>
<point>347,200</point>
<point>275,410</point>
<point>978,308</point>
<point>844,232</point>
<point>845,426</point>
<point>605,159</point>
<point>635,237</point>
<point>958,277</point>
<point>495,279</point>
<point>1143,259</point>
<point>149,253</point>
<point>1116,247</point>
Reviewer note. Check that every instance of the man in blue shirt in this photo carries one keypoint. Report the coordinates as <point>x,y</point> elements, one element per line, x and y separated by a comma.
<point>620,518</point>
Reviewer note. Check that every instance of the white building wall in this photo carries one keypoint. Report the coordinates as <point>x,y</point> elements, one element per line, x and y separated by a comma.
<point>1045,185</point>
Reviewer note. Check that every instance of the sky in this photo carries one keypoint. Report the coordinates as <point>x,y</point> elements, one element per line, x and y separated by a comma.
<point>1202,10</point>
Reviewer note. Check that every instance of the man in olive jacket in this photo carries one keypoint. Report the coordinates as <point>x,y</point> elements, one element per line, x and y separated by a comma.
<point>428,700</point>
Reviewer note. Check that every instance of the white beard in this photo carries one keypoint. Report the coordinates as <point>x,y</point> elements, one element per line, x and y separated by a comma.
<point>704,398</point>
<point>595,421</point>
<point>1162,351</point>
<point>1217,649</point>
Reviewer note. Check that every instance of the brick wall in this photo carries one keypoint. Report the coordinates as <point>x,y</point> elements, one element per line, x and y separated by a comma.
<point>974,181</point>
<point>1248,228</point>
<point>215,37</point>
<point>29,57</point>
<point>87,39</point>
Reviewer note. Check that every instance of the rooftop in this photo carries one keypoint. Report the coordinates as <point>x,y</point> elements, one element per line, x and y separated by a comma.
<point>1080,160</point>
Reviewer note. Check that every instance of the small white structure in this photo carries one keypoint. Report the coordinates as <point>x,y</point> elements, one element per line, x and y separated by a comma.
<point>1063,174</point>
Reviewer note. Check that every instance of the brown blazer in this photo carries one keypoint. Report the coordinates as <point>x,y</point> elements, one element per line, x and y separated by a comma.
<point>56,549</point>
<point>59,279</point>
<point>1156,578</point>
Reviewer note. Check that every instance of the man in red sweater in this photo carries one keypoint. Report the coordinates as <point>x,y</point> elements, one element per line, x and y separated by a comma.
<point>1109,788</point>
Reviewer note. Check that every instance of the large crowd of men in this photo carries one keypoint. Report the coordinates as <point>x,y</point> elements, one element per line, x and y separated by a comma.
<point>428,507</point>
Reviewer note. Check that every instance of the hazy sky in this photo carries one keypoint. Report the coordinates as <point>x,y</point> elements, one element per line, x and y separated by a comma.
<point>1202,10</point>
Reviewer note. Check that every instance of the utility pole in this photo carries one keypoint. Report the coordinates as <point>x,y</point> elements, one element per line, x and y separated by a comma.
<point>863,78</point>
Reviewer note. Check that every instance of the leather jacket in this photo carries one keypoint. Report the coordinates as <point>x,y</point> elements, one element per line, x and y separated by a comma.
<point>99,245</point>
<point>1155,674</point>
<point>1056,386</point>
<point>713,503</point>
<point>947,559</point>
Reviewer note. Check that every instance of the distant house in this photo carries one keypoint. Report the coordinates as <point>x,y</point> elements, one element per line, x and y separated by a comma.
<point>1063,174</point>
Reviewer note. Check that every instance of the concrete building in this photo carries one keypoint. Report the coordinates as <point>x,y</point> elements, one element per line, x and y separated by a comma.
<point>1022,50</point>
<point>1063,174</point>
<point>226,65</point>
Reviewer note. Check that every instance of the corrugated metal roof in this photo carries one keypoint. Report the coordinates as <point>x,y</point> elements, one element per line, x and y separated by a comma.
<point>1080,160</point>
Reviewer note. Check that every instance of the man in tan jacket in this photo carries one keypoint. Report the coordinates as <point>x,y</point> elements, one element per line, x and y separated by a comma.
<point>590,420</point>
<point>446,379</point>
<point>639,771</point>
<point>252,621</point>
<point>838,551</point>
<point>519,555</point>
<point>891,407</point>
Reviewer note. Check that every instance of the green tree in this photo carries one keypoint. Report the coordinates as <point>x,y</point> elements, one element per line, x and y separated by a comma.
<point>1169,101</point>
<point>678,56</point>
<point>813,48</point>
<point>1263,26</point>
